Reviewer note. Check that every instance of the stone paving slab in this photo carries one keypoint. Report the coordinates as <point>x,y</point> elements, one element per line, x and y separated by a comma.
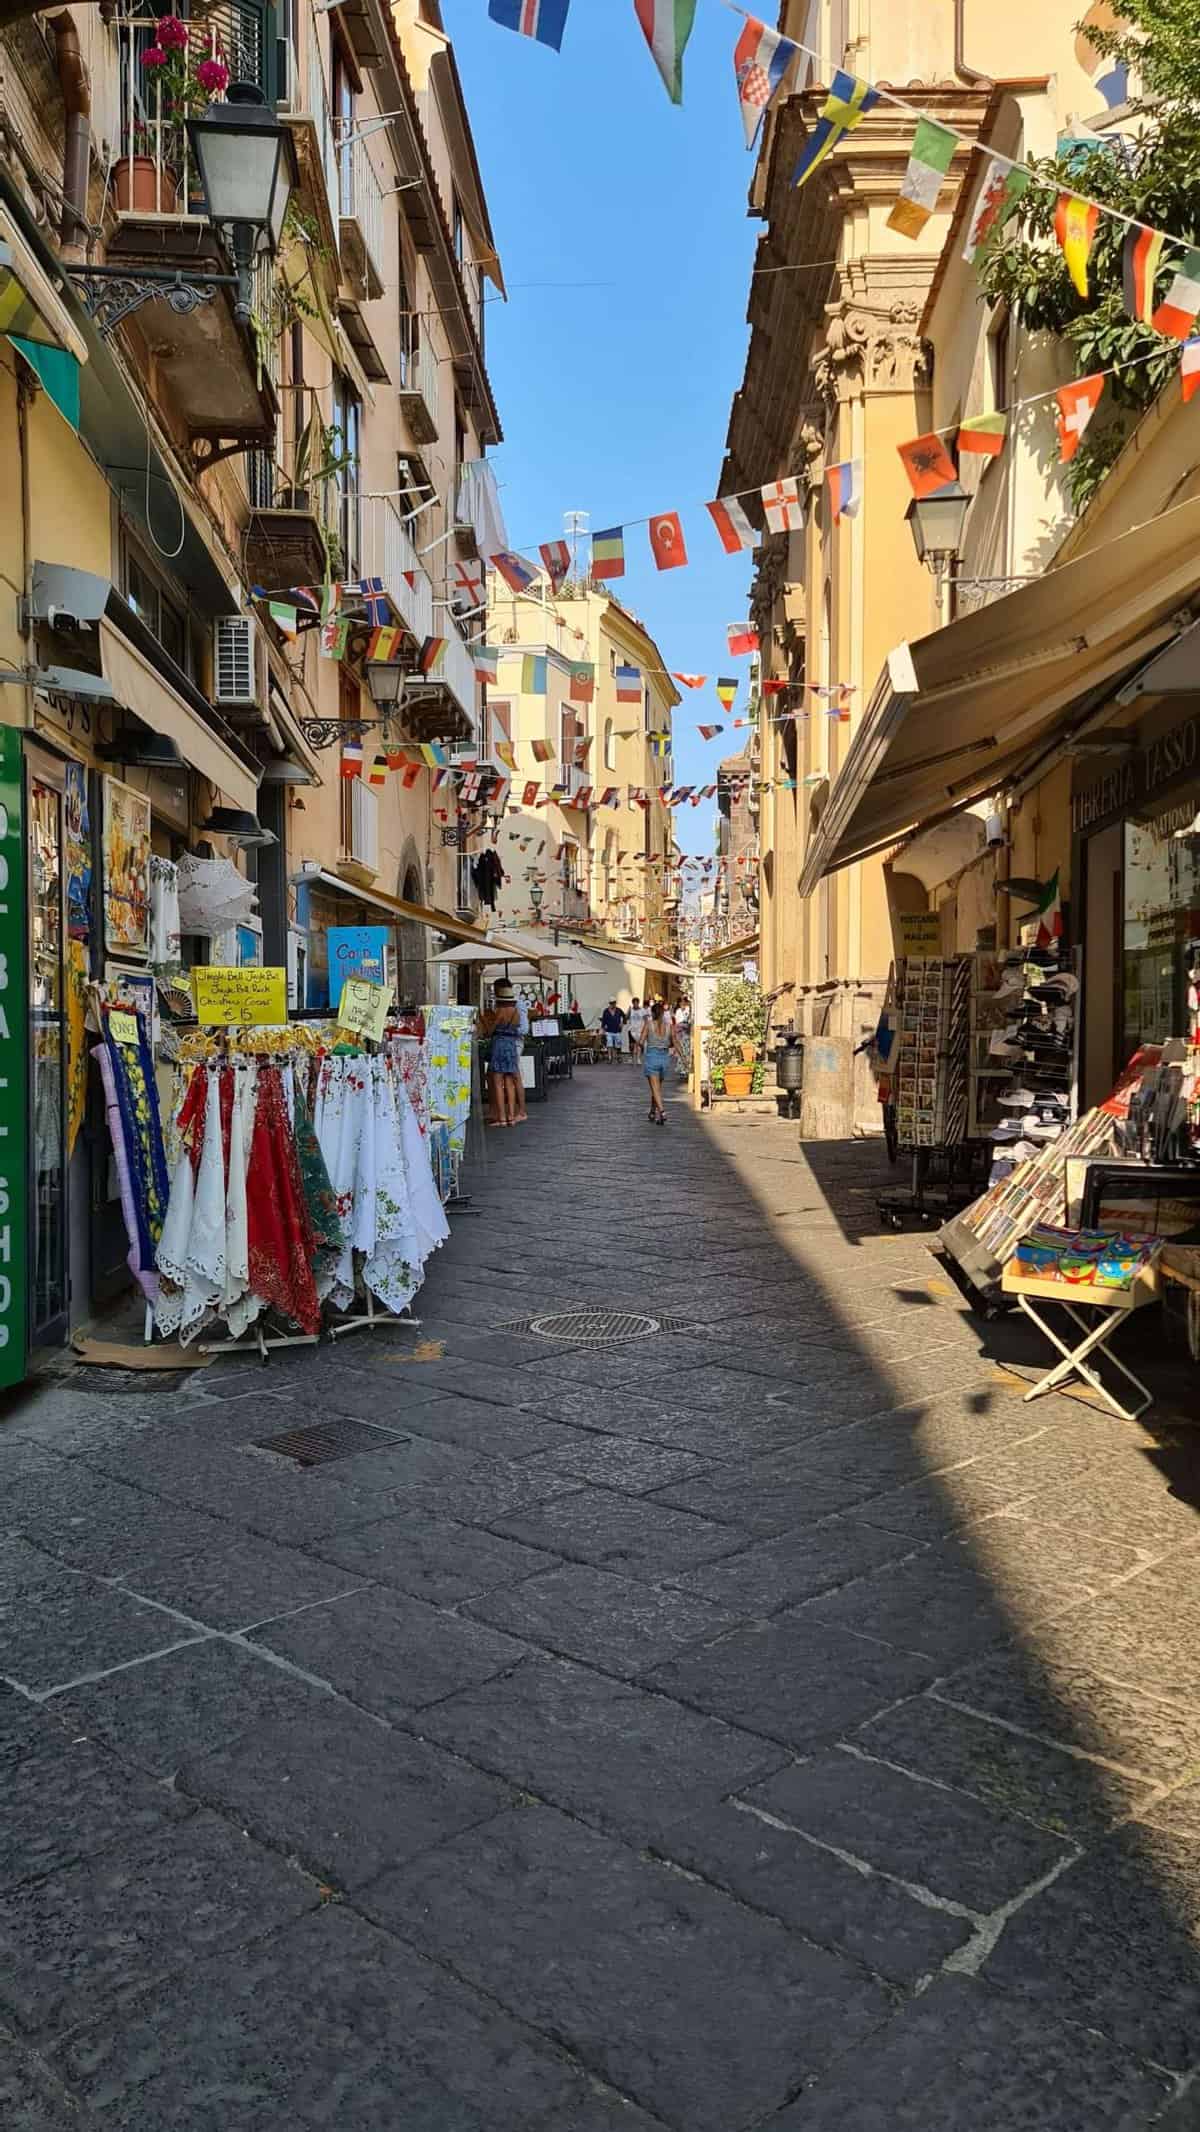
<point>620,1532</point>
<point>433,1558</point>
<point>613,1622</point>
<point>168,1708</point>
<point>31,2100</point>
<point>775,1573</point>
<point>616,1462</point>
<point>66,1625</point>
<point>1050,1696</point>
<point>79,1944</point>
<point>612,1753</point>
<point>345,1795</point>
<point>702,2010</point>
<point>793,1679</point>
<point>65,1798</point>
<point>939,1606</point>
<point>388,1652</point>
<point>964,2058</point>
<point>333,2026</point>
<point>958,1849</point>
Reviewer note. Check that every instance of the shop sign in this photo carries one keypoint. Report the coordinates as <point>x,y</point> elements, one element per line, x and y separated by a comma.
<point>14,1032</point>
<point>355,951</point>
<point>228,998</point>
<point>920,935</point>
<point>1162,762</point>
<point>363,1008</point>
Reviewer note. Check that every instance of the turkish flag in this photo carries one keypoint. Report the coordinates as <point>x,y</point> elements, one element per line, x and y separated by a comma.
<point>666,539</point>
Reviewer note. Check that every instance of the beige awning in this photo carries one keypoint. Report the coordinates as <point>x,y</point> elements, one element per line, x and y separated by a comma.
<point>644,960</point>
<point>137,686</point>
<point>959,714</point>
<point>396,907</point>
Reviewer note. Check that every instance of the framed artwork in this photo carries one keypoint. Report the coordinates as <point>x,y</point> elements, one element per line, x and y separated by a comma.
<point>126,869</point>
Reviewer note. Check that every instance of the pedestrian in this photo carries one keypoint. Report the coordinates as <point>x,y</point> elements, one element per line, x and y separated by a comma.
<point>657,1046</point>
<point>503,1027</point>
<point>683,1038</point>
<point>612,1024</point>
<point>637,1023</point>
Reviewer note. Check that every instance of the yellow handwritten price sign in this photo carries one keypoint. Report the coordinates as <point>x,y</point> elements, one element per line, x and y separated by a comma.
<point>227,997</point>
<point>123,1028</point>
<point>362,1009</point>
<point>920,935</point>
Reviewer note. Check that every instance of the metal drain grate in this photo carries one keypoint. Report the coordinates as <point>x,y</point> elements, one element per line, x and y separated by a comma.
<point>595,1328</point>
<point>327,1440</point>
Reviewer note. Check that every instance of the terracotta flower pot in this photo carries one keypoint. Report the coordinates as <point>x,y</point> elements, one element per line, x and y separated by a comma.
<point>749,1054</point>
<point>737,1080</point>
<point>143,187</point>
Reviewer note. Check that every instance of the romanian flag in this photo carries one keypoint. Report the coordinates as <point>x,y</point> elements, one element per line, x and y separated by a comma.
<point>518,575</point>
<point>1140,255</point>
<point>845,488</point>
<point>629,684</point>
<point>1176,315</point>
<point>1190,370</point>
<point>846,105</point>
<point>927,463</point>
<point>533,674</point>
<point>727,691</point>
<point>608,553</point>
<point>983,434</point>
<point>1075,223</point>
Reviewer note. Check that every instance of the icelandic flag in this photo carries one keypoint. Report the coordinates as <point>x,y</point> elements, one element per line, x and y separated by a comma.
<point>544,19</point>
<point>761,58</point>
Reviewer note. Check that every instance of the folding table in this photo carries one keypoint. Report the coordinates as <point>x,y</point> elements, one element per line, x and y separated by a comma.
<point>1112,1308</point>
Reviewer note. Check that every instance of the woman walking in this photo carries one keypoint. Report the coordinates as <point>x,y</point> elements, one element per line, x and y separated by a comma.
<point>657,1045</point>
<point>504,1059</point>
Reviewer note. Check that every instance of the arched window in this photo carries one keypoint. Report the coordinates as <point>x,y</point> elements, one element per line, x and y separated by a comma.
<point>413,981</point>
<point>610,751</point>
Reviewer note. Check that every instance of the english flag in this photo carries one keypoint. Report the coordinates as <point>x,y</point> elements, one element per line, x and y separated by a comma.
<point>556,556</point>
<point>667,542</point>
<point>781,502</point>
<point>733,527</point>
<point>468,584</point>
<point>1077,404</point>
<point>742,638</point>
<point>761,58</point>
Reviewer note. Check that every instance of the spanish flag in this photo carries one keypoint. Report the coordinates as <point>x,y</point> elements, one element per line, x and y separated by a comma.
<point>1140,255</point>
<point>1075,223</point>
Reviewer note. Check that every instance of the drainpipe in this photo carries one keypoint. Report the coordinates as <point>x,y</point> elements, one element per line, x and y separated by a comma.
<point>963,71</point>
<point>77,104</point>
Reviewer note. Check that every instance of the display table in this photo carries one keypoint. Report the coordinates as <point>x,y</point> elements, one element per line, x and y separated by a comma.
<point>1110,1308</point>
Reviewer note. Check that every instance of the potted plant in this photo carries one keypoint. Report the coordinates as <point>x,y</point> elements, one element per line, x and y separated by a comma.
<point>736,1033</point>
<point>181,78</point>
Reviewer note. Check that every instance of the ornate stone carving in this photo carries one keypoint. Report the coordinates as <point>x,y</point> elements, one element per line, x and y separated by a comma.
<point>870,349</point>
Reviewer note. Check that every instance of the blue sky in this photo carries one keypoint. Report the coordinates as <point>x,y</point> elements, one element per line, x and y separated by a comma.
<point>615,399</point>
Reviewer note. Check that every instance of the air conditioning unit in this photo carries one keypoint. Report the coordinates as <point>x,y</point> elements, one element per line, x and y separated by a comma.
<point>238,677</point>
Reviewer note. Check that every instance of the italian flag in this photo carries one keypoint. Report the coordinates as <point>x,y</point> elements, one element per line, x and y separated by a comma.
<point>666,27</point>
<point>1176,315</point>
<point>1191,366</point>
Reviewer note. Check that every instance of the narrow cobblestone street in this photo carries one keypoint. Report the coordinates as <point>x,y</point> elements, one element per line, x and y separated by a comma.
<point>774,1722</point>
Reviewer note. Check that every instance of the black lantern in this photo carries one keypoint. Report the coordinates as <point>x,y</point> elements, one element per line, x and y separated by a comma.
<point>247,167</point>
<point>386,679</point>
<point>937,523</point>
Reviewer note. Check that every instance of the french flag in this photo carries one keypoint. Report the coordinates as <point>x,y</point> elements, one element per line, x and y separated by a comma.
<point>543,19</point>
<point>761,58</point>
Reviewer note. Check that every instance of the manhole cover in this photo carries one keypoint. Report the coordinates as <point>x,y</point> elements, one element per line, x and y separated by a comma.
<point>595,1328</point>
<point>327,1440</point>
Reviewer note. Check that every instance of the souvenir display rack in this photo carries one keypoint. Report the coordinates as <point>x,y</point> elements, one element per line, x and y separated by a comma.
<point>931,1088</point>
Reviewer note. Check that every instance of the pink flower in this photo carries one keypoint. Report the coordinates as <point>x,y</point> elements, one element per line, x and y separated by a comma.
<point>154,56</point>
<point>213,76</point>
<point>173,33</point>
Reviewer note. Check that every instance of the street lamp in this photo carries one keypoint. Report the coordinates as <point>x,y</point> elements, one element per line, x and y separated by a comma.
<point>385,680</point>
<point>937,524</point>
<point>247,167</point>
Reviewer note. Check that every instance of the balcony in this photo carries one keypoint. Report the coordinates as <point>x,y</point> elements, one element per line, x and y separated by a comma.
<point>576,904</point>
<point>443,706</point>
<point>418,393</point>
<point>283,543</point>
<point>303,100</point>
<point>360,219</point>
<point>388,553</point>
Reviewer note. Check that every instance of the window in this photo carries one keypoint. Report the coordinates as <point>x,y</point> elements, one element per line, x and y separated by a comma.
<point>460,234</point>
<point>410,331</point>
<point>347,436</point>
<point>466,886</point>
<point>344,86</point>
<point>610,746</point>
<point>163,616</point>
<point>999,352</point>
<point>648,710</point>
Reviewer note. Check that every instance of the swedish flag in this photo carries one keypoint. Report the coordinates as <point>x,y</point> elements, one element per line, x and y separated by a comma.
<point>848,101</point>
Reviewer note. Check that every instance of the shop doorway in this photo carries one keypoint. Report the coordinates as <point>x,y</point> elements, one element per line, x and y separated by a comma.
<point>49,1289</point>
<point>1102,1016</point>
<point>413,980</point>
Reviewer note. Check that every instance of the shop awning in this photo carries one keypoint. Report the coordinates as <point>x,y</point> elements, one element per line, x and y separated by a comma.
<point>29,305</point>
<point>415,913</point>
<point>644,959</point>
<point>958,714</point>
<point>137,686</point>
<point>737,950</point>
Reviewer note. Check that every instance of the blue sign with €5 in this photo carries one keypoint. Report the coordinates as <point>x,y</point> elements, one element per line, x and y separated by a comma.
<point>355,951</point>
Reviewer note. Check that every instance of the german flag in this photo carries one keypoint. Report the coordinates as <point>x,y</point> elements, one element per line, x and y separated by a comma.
<point>1140,256</point>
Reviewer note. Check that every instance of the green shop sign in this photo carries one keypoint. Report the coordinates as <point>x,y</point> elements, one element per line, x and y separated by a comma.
<point>13,1062</point>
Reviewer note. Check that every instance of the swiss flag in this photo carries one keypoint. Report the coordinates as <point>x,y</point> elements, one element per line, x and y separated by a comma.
<point>1077,403</point>
<point>667,542</point>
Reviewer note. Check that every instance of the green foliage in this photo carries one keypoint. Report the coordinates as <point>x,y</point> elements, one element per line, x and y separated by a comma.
<point>739,1016</point>
<point>1152,175</point>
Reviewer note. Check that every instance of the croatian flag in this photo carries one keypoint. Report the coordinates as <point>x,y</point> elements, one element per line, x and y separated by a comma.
<point>544,19</point>
<point>761,58</point>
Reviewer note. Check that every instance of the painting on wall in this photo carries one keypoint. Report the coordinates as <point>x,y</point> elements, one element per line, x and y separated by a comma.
<point>126,869</point>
